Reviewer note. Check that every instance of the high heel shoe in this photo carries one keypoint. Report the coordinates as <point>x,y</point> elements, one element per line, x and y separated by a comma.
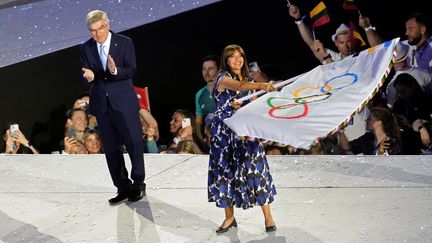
<point>221,230</point>
<point>270,228</point>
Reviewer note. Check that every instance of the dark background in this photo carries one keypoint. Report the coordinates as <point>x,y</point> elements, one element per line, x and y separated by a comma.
<point>37,93</point>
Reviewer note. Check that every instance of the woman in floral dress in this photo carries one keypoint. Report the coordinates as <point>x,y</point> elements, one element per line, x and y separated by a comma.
<point>238,170</point>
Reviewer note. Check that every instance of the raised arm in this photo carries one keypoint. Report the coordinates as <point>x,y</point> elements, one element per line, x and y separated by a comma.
<point>372,35</point>
<point>305,32</point>
<point>232,84</point>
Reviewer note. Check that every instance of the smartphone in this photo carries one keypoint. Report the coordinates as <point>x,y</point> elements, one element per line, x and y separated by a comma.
<point>14,128</point>
<point>186,122</point>
<point>70,133</point>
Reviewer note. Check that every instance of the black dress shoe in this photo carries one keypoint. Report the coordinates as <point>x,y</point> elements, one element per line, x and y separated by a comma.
<point>221,230</point>
<point>120,198</point>
<point>270,228</point>
<point>136,195</point>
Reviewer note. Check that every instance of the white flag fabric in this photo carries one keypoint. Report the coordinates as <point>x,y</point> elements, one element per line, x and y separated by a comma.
<point>315,103</point>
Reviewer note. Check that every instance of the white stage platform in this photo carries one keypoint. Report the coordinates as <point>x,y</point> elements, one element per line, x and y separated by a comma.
<point>63,198</point>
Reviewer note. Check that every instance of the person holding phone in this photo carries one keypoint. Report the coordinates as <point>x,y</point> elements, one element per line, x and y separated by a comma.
<point>16,142</point>
<point>108,66</point>
<point>382,138</point>
<point>238,173</point>
<point>183,127</point>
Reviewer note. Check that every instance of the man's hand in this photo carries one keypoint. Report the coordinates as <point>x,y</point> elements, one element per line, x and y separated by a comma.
<point>111,64</point>
<point>294,11</point>
<point>88,74</point>
<point>364,22</point>
<point>236,104</point>
<point>318,50</point>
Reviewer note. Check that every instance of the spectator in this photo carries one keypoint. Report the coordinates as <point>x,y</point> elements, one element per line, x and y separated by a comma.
<point>183,133</point>
<point>382,137</point>
<point>401,65</point>
<point>187,147</point>
<point>341,39</point>
<point>411,104</point>
<point>82,103</point>
<point>92,141</point>
<point>418,33</point>
<point>76,123</point>
<point>204,101</point>
<point>16,142</point>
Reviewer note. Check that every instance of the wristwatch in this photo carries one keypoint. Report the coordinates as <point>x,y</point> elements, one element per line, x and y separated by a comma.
<point>369,28</point>
<point>299,20</point>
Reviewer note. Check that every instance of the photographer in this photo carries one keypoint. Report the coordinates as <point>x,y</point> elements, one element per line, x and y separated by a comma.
<point>16,142</point>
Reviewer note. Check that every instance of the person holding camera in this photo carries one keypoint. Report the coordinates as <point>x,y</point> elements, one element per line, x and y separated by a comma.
<point>183,127</point>
<point>108,66</point>
<point>16,142</point>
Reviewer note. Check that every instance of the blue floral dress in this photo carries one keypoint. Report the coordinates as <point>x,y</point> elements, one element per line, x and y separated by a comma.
<point>238,173</point>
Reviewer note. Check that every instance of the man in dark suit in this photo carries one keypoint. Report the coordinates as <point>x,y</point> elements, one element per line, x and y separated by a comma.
<point>108,64</point>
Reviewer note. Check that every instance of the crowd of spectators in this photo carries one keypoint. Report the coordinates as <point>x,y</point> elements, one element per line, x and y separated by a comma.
<point>397,121</point>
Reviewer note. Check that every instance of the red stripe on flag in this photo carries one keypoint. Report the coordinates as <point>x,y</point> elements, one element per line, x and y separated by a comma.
<point>321,21</point>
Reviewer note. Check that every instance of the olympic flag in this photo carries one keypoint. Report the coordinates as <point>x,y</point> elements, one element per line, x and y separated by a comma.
<point>314,104</point>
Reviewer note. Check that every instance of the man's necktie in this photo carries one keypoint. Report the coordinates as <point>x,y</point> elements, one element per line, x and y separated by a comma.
<point>103,57</point>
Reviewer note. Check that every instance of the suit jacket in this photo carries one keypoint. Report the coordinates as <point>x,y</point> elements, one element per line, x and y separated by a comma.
<point>116,89</point>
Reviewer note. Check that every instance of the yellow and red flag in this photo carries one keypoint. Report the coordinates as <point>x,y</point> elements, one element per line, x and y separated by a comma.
<point>355,35</point>
<point>319,15</point>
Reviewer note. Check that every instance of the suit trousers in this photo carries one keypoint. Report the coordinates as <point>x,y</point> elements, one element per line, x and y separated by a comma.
<point>117,129</point>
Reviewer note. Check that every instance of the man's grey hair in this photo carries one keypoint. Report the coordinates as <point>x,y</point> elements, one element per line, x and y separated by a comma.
<point>96,15</point>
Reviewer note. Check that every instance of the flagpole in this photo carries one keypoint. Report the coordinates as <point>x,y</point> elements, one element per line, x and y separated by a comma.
<point>313,34</point>
<point>288,3</point>
<point>358,10</point>
<point>277,86</point>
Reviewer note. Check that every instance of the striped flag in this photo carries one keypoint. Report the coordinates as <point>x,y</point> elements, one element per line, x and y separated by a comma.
<point>349,5</point>
<point>355,35</point>
<point>319,15</point>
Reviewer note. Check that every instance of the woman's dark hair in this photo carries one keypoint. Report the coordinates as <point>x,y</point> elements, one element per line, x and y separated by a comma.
<point>388,120</point>
<point>227,53</point>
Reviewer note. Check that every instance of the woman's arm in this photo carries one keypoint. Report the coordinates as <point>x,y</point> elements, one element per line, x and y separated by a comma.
<point>232,84</point>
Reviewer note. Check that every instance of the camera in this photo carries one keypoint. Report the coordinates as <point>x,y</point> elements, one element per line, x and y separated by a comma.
<point>71,133</point>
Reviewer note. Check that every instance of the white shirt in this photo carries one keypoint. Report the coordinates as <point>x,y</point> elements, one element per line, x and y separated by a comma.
<point>107,45</point>
<point>335,56</point>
